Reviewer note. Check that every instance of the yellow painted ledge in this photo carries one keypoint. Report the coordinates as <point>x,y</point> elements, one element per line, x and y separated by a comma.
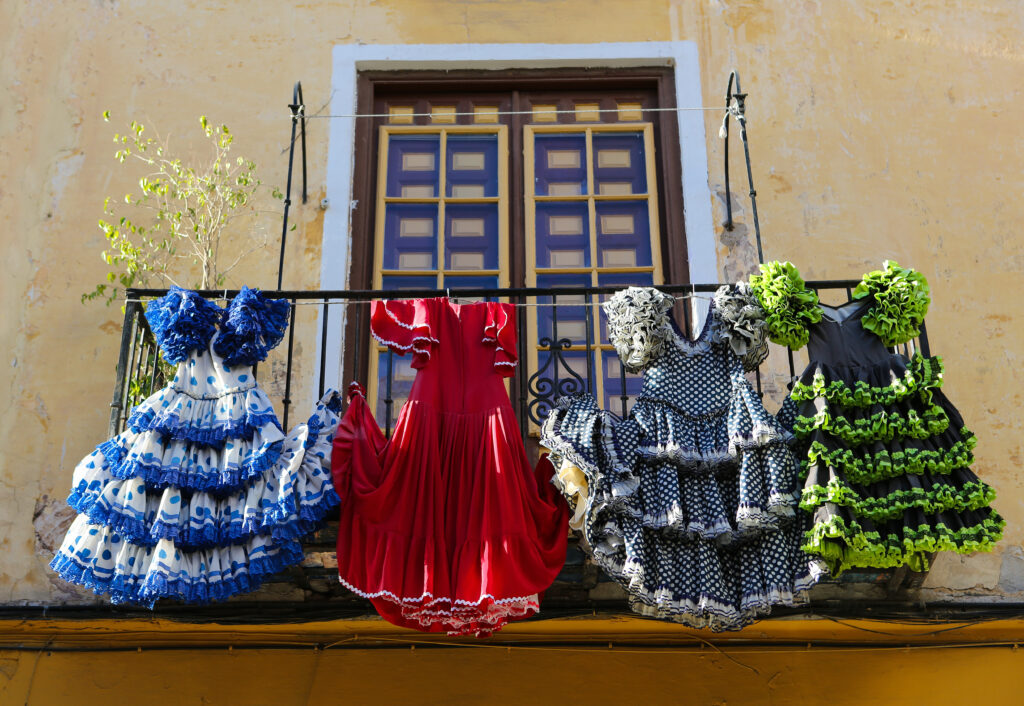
<point>587,630</point>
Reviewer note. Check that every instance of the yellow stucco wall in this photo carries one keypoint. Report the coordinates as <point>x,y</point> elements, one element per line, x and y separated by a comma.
<point>878,130</point>
<point>499,676</point>
<point>618,660</point>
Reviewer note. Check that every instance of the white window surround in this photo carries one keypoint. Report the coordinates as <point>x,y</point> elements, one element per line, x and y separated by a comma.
<point>349,59</point>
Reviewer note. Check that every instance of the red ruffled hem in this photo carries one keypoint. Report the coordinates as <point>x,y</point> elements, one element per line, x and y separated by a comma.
<point>462,545</point>
<point>432,614</point>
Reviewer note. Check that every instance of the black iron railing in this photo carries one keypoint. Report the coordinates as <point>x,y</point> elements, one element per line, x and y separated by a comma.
<point>534,389</point>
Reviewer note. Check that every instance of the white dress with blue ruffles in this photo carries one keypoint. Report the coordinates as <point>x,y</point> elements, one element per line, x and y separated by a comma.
<point>203,495</point>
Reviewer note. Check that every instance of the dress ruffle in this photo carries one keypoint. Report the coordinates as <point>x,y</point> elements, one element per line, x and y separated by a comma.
<point>742,324</point>
<point>696,443</point>
<point>691,509</point>
<point>845,540</point>
<point>500,332</point>
<point>638,325</point>
<point>251,327</point>
<point>403,326</point>
<point>182,322</point>
<point>99,558</point>
<point>211,422</point>
<point>202,496</point>
<point>195,466</point>
<point>790,307</point>
<point>906,419</point>
<point>900,298</point>
<point>888,499</point>
<point>866,386</point>
<point>290,496</point>
<point>700,583</point>
<point>879,460</point>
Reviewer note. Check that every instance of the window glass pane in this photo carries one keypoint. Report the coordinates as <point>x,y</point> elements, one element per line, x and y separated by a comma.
<point>562,235</point>
<point>472,168</point>
<point>471,236</point>
<point>413,166</point>
<point>560,167</point>
<point>619,166</point>
<point>409,282</point>
<point>410,237</point>
<point>455,282</point>
<point>572,313</point>
<point>623,234</point>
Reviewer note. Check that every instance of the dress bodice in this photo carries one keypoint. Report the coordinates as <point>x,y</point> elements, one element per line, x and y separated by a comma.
<point>693,377</point>
<point>205,375</point>
<point>463,351</point>
<point>839,339</point>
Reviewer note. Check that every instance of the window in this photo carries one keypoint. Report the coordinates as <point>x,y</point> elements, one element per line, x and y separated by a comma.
<point>442,222</point>
<point>591,219</point>
<point>525,178</point>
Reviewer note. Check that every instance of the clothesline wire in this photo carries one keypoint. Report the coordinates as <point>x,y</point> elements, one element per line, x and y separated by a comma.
<point>524,305</point>
<point>556,111</point>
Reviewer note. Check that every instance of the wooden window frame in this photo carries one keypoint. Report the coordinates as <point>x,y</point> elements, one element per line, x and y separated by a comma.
<point>371,85</point>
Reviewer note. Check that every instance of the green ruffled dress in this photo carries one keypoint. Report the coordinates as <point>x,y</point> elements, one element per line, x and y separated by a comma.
<point>885,455</point>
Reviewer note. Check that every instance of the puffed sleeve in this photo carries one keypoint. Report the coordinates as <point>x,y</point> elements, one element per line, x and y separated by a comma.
<point>403,326</point>
<point>638,325</point>
<point>182,321</point>
<point>500,332</point>
<point>251,327</point>
<point>740,324</point>
<point>790,307</point>
<point>901,298</point>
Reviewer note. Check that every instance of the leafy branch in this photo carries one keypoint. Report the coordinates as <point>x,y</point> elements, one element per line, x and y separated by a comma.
<point>173,231</point>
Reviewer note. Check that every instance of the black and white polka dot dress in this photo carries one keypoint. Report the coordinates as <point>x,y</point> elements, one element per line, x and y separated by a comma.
<point>689,502</point>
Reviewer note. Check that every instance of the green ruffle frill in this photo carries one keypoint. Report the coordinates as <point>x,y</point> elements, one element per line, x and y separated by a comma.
<point>867,467</point>
<point>901,298</point>
<point>883,425</point>
<point>789,306</point>
<point>847,545</point>
<point>942,498</point>
<point>921,374</point>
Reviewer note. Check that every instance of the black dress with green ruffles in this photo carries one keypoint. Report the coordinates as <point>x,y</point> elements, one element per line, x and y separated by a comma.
<point>885,455</point>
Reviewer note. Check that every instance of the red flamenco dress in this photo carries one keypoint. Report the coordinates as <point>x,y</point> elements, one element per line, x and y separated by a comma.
<point>445,527</point>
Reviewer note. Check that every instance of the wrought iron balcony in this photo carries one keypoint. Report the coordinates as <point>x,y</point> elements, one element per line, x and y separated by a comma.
<point>562,350</point>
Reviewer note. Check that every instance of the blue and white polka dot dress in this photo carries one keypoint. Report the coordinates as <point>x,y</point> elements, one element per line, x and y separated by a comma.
<point>203,495</point>
<point>689,502</point>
